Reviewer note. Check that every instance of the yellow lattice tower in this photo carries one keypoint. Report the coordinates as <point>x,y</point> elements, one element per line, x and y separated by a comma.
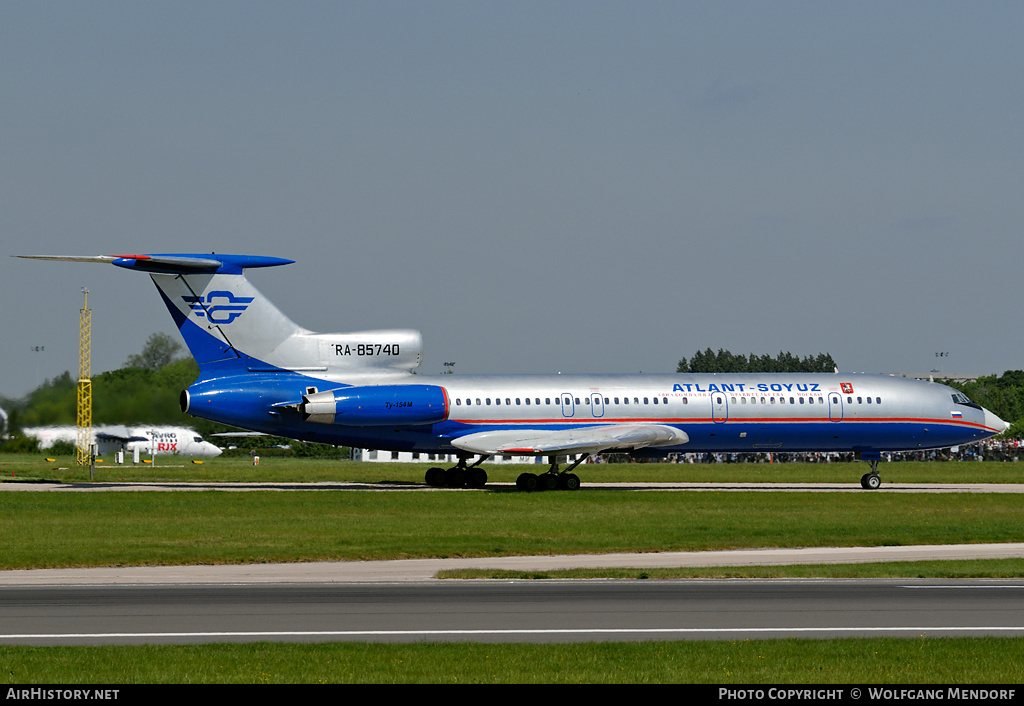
<point>84,454</point>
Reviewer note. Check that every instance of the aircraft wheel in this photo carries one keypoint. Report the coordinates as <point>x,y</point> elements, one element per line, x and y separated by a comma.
<point>571,481</point>
<point>455,477</point>
<point>435,477</point>
<point>548,481</point>
<point>870,481</point>
<point>476,478</point>
<point>527,482</point>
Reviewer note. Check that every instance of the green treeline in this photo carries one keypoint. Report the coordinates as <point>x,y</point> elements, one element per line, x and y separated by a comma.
<point>723,361</point>
<point>144,391</point>
<point>123,396</point>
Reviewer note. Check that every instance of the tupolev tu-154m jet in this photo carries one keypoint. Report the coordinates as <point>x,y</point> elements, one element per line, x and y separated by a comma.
<point>262,372</point>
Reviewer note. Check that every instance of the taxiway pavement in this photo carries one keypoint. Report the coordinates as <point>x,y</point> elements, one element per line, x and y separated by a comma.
<point>406,570</point>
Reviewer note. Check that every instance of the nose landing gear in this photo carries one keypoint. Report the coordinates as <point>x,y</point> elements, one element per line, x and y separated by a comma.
<point>871,481</point>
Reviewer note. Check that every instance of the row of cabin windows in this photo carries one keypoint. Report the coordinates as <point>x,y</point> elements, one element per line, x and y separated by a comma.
<point>810,400</point>
<point>779,400</point>
<point>636,400</point>
<point>547,400</point>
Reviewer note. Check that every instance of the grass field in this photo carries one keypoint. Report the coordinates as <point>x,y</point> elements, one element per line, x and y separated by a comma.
<point>20,467</point>
<point>213,527</point>
<point>846,661</point>
<point>145,528</point>
<point>961,569</point>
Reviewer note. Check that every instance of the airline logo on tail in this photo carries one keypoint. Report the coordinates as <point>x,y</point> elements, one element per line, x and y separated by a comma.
<point>217,313</point>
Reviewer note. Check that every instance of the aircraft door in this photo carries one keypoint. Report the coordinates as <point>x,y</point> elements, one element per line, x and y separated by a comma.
<point>597,404</point>
<point>835,407</point>
<point>719,407</point>
<point>568,407</point>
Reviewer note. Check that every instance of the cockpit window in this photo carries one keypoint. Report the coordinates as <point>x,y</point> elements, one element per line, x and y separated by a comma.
<point>961,398</point>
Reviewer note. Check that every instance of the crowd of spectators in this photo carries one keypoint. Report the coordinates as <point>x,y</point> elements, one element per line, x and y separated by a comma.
<point>990,450</point>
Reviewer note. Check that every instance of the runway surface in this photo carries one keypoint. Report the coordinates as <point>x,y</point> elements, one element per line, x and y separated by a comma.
<point>401,601</point>
<point>511,487</point>
<point>513,611</point>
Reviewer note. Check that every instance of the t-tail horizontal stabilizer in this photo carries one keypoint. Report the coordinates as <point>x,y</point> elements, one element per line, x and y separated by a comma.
<point>226,322</point>
<point>174,263</point>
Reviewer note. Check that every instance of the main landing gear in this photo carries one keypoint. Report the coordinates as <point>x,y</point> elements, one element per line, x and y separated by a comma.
<point>552,480</point>
<point>871,481</point>
<point>463,476</point>
<point>459,475</point>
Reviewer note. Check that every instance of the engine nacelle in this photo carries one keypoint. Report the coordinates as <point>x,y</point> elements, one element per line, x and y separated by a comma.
<point>248,401</point>
<point>377,405</point>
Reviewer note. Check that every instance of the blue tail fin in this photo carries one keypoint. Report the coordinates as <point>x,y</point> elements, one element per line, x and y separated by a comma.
<point>226,322</point>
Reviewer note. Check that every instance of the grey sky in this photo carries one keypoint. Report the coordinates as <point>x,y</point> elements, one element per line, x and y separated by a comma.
<point>536,186</point>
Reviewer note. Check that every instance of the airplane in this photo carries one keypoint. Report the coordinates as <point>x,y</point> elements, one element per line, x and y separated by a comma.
<point>262,372</point>
<point>149,440</point>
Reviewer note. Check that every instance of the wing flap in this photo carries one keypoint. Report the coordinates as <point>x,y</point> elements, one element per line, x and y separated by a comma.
<point>576,440</point>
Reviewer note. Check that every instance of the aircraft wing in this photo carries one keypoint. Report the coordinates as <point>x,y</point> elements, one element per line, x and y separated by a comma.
<point>578,440</point>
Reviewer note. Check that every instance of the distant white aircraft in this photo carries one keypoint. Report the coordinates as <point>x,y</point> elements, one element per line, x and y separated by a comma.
<point>149,440</point>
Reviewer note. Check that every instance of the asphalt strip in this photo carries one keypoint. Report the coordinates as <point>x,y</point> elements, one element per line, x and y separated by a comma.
<point>765,487</point>
<point>426,569</point>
